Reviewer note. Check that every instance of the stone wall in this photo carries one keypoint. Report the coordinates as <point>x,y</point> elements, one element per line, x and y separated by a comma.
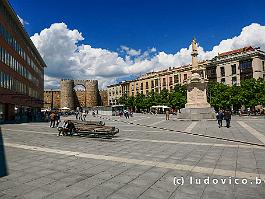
<point>68,97</point>
<point>48,99</point>
<point>103,97</point>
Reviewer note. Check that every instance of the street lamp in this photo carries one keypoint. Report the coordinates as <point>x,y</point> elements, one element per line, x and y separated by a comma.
<point>52,100</point>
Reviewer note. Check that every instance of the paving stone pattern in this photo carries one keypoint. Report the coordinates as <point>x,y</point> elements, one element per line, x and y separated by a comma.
<point>140,162</point>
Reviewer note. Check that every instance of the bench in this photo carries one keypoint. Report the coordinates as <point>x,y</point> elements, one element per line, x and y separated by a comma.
<point>92,129</point>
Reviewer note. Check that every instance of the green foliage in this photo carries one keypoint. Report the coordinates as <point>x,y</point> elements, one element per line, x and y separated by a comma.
<point>178,98</point>
<point>175,99</point>
<point>250,93</point>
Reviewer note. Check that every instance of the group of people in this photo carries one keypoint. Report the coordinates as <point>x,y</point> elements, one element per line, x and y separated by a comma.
<point>55,119</point>
<point>224,115</point>
<point>81,115</point>
<point>66,128</point>
<point>127,113</point>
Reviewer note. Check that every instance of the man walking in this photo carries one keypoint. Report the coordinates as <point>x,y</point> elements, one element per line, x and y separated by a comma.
<point>227,117</point>
<point>52,118</point>
<point>220,117</point>
<point>167,114</point>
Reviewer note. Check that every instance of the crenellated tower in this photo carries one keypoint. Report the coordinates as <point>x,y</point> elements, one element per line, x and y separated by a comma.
<point>92,93</point>
<point>67,95</point>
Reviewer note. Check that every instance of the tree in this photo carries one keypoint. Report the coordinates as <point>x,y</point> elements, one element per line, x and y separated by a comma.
<point>252,92</point>
<point>163,98</point>
<point>219,95</point>
<point>178,98</point>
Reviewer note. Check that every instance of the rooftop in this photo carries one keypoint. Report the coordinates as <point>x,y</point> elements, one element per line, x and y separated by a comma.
<point>240,50</point>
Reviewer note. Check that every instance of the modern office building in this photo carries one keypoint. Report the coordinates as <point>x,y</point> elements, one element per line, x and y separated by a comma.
<point>228,68</point>
<point>21,69</point>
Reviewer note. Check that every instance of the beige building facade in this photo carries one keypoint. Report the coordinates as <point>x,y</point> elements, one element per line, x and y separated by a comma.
<point>234,66</point>
<point>228,68</point>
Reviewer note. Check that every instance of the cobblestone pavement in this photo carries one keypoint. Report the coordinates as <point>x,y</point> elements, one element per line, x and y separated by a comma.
<point>149,158</point>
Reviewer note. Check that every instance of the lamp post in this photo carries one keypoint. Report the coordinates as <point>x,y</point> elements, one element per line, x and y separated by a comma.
<point>52,100</point>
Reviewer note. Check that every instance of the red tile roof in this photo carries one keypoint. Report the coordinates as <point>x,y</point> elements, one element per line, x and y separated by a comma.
<point>248,48</point>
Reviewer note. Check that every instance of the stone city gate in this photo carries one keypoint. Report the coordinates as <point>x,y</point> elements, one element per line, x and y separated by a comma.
<point>68,93</point>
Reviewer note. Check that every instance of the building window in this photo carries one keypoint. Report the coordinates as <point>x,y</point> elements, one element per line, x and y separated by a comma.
<point>245,64</point>
<point>146,85</point>
<point>185,76</point>
<point>223,80</point>
<point>222,71</point>
<point>234,80</point>
<point>233,68</point>
<point>263,67</point>
<point>176,79</point>
<point>142,85</point>
<point>164,82</point>
<point>246,71</point>
<point>152,84</point>
<point>156,82</point>
<point>170,81</point>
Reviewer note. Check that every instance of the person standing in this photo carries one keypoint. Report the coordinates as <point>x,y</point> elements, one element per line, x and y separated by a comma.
<point>52,118</point>
<point>126,114</point>
<point>167,114</point>
<point>84,116</point>
<point>58,119</point>
<point>227,117</point>
<point>220,117</point>
<point>80,116</point>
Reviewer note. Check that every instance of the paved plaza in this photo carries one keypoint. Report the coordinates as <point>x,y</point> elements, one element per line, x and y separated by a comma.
<point>149,158</point>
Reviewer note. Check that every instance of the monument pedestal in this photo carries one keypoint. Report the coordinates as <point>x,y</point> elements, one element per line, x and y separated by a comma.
<point>197,107</point>
<point>196,114</point>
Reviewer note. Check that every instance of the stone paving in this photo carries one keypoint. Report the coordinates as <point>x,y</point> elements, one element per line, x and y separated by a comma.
<point>140,162</point>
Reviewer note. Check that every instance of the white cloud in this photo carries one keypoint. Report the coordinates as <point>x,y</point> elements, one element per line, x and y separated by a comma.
<point>22,21</point>
<point>66,58</point>
<point>130,51</point>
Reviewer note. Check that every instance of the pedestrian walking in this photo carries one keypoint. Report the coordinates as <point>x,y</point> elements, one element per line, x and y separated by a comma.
<point>220,117</point>
<point>167,114</point>
<point>126,114</point>
<point>227,117</point>
<point>58,119</point>
<point>52,118</point>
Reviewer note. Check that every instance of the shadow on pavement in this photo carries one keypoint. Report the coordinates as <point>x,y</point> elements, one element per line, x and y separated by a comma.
<point>3,165</point>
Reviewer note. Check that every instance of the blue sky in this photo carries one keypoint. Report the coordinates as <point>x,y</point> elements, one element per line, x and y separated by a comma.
<point>165,24</point>
<point>113,40</point>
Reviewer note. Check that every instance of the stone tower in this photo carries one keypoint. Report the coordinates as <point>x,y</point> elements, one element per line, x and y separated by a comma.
<point>92,93</point>
<point>67,94</point>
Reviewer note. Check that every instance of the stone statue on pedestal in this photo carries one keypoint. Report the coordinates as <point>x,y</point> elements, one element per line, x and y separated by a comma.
<point>197,107</point>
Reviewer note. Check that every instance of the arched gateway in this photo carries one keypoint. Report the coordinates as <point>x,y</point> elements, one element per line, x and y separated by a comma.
<point>68,94</point>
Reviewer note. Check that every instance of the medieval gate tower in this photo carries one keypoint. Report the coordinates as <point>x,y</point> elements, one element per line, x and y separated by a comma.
<point>68,93</point>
